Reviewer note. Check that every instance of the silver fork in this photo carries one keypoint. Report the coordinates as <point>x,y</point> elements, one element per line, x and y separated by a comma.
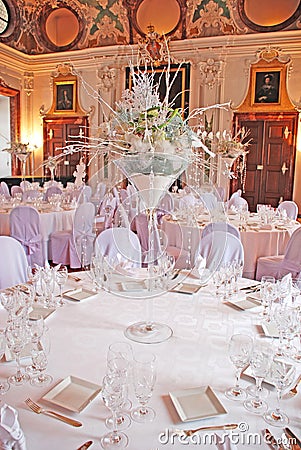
<point>39,410</point>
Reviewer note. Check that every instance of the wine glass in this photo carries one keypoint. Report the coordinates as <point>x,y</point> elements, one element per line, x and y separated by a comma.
<point>61,279</point>
<point>119,367</point>
<point>122,350</point>
<point>144,377</point>
<point>112,395</point>
<point>17,337</point>
<point>39,359</point>
<point>283,375</point>
<point>4,385</point>
<point>260,362</point>
<point>36,329</point>
<point>268,293</point>
<point>240,348</point>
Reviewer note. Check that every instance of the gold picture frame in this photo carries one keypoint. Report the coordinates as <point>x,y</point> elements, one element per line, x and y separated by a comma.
<point>64,96</point>
<point>266,86</point>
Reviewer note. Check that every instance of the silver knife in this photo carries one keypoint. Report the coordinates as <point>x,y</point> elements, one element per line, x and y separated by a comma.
<point>294,441</point>
<point>85,445</point>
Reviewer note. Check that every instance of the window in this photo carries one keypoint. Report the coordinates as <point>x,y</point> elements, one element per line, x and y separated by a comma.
<point>4,17</point>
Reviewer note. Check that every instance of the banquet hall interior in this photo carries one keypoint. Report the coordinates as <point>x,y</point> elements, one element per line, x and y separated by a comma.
<point>150,209</point>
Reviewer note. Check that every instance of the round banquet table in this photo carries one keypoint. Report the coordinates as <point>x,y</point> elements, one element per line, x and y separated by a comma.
<point>50,221</point>
<point>195,356</point>
<point>257,241</point>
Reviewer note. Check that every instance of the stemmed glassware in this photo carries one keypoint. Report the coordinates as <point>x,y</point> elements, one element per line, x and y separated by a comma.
<point>240,349</point>
<point>61,274</point>
<point>144,377</point>
<point>17,337</point>
<point>283,375</point>
<point>112,395</point>
<point>4,385</point>
<point>268,293</point>
<point>260,362</point>
<point>36,330</point>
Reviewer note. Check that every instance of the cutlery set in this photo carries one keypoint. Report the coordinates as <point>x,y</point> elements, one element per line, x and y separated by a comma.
<point>39,410</point>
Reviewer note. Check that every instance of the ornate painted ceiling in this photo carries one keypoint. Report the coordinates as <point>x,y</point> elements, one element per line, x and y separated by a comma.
<point>44,26</point>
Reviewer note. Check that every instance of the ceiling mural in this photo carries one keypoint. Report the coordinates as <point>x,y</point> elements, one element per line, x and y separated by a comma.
<point>35,24</point>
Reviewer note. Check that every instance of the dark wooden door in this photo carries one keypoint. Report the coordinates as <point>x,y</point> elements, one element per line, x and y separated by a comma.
<point>57,134</point>
<point>271,159</point>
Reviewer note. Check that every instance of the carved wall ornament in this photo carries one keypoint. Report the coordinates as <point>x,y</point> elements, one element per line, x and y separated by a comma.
<point>107,77</point>
<point>270,54</point>
<point>211,72</point>
<point>28,82</point>
<point>153,48</point>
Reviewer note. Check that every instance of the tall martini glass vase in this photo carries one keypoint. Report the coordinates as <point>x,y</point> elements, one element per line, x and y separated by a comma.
<point>22,157</point>
<point>151,174</point>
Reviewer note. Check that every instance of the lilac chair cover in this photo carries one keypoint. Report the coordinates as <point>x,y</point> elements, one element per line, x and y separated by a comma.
<point>220,247</point>
<point>239,203</point>
<point>209,200</point>
<point>141,226</point>
<point>220,226</point>
<point>16,190</point>
<point>100,190</point>
<point>278,266</point>
<point>67,246</point>
<point>5,189</point>
<point>85,194</point>
<point>290,207</point>
<point>31,194</point>
<point>25,227</point>
<point>120,245</point>
<point>107,210</point>
<point>52,190</point>
<point>25,185</point>
<point>187,200</point>
<point>13,262</point>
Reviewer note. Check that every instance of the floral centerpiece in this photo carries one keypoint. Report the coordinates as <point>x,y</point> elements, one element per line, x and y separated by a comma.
<point>22,152</point>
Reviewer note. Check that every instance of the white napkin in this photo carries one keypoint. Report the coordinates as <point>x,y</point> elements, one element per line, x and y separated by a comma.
<point>11,435</point>
<point>224,443</point>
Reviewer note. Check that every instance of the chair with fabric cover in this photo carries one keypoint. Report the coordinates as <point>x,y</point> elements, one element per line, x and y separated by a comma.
<point>121,246</point>
<point>165,206</point>
<point>31,194</point>
<point>107,211</point>
<point>13,262</point>
<point>141,227</point>
<point>278,266</point>
<point>209,200</point>
<point>25,184</point>
<point>239,204</point>
<point>220,247</point>
<point>5,189</point>
<point>290,207</point>
<point>24,222</point>
<point>220,226</point>
<point>187,201</point>
<point>85,194</point>
<point>52,190</point>
<point>16,190</point>
<point>73,247</point>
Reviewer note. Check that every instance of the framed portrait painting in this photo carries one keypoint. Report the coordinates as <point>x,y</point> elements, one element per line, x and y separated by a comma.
<point>65,96</point>
<point>267,87</point>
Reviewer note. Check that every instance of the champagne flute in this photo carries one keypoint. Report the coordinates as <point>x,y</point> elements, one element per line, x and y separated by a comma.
<point>17,337</point>
<point>61,279</point>
<point>283,375</point>
<point>119,367</point>
<point>240,348</point>
<point>36,329</point>
<point>112,395</point>
<point>144,377</point>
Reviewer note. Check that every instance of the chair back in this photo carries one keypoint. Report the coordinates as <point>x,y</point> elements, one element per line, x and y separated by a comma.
<point>239,203</point>
<point>209,200</point>
<point>25,227</point>
<point>119,245</point>
<point>16,190</point>
<point>220,226</point>
<point>292,257</point>
<point>13,262</point>
<point>100,190</point>
<point>290,207</point>
<point>85,194</point>
<point>220,247</point>
<point>220,193</point>
<point>186,201</point>
<point>30,194</point>
<point>5,189</point>
<point>25,185</point>
<point>83,232</point>
<point>52,190</point>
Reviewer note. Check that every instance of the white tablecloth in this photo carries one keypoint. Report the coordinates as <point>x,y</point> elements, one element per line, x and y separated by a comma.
<point>256,242</point>
<point>50,221</point>
<point>196,355</point>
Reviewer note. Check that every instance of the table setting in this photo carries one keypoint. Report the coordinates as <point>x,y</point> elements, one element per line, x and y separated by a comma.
<point>88,344</point>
